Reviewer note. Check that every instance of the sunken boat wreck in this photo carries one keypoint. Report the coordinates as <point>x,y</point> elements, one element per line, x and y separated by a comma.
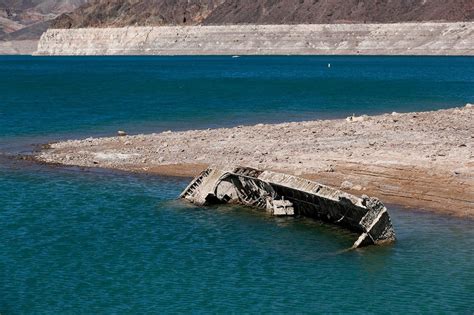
<point>287,195</point>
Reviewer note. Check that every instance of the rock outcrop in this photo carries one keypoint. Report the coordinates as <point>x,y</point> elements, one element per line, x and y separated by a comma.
<point>326,39</point>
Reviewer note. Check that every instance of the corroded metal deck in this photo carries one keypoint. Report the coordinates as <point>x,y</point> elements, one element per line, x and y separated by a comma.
<point>283,194</point>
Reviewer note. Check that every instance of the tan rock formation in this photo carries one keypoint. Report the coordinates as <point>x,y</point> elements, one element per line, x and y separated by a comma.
<point>326,39</point>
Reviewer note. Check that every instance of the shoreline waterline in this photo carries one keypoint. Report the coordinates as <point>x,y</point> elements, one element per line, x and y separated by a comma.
<point>409,159</point>
<point>188,171</point>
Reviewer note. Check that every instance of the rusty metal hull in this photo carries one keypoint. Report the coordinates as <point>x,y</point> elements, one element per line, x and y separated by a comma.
<point>283,194</point>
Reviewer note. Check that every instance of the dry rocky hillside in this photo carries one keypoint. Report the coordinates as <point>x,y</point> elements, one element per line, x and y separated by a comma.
<point>118,13</point>
<point>28,19</point>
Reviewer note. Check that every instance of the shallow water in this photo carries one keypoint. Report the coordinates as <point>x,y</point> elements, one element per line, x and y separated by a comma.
<point>76,241</point>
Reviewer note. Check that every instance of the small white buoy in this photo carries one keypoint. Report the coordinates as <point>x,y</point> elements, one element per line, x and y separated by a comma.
<point>329,65</point>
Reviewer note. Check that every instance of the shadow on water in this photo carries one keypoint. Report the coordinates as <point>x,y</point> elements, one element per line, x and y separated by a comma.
<point>297,227</point>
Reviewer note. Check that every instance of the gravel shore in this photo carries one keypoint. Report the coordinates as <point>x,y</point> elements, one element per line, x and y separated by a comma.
<point>419,160</point>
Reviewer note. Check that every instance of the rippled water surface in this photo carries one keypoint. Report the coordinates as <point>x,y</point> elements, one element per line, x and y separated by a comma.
<point>91,241</point>
<point>77,241</point>
<point>94,95</point>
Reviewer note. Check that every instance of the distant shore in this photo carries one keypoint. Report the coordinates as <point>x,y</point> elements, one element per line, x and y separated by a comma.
<point>424,38</point>
<point>422,160</point>
<point>18,47</point>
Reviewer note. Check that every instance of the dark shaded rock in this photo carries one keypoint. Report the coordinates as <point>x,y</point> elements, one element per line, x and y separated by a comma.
<point>118,13</point>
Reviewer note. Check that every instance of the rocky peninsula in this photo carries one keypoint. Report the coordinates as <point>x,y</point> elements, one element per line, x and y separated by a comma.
<point>420,159</point>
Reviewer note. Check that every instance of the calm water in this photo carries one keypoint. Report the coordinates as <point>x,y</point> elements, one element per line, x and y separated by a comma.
<point>104,242</point>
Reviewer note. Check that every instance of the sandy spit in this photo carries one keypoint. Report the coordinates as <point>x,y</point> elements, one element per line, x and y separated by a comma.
<point>422,160</point>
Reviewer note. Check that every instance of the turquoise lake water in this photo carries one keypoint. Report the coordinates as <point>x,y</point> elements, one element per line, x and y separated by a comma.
<point>94,241</point>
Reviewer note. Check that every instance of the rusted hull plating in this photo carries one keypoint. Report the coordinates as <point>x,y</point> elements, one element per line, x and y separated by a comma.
<point>282,194</point>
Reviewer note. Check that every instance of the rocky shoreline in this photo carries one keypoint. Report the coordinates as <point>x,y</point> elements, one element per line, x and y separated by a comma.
<point>423,160</point>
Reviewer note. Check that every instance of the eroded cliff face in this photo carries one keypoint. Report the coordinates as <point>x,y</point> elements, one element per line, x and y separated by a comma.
<point>329,39</point>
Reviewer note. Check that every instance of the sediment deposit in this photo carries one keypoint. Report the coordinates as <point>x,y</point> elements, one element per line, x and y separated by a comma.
<point>423,159</point>
<point>311,39</point>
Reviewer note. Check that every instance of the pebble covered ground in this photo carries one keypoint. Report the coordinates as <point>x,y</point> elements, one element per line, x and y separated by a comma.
<point>418,159</point>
